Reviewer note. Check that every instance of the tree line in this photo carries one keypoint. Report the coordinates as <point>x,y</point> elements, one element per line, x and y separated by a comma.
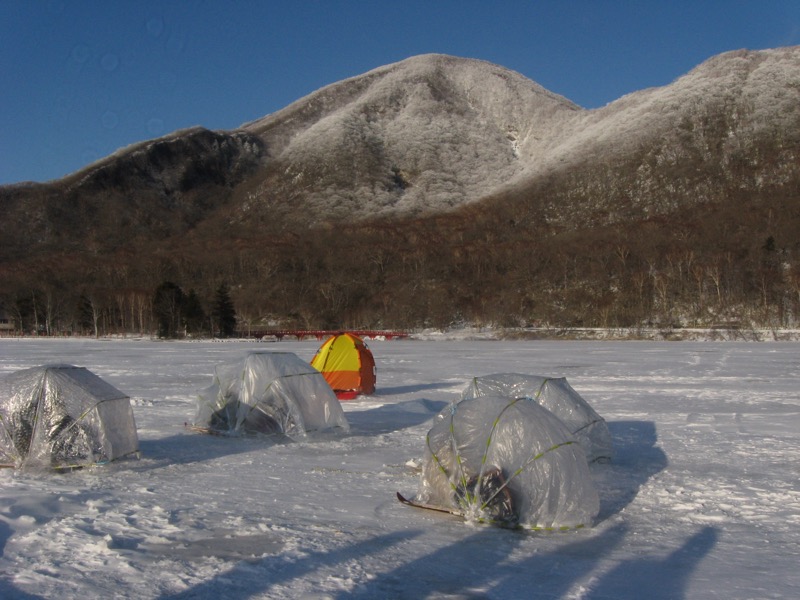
<point>51,309</point>
<point>501,263</point>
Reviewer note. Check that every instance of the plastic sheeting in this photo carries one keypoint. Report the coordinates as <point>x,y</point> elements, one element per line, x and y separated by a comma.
<point>508,462</point>
<point>557,396</point>
<point>269,392</point>
<point>62,416</point>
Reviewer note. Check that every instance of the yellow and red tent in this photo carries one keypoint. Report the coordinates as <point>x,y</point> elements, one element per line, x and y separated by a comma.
<point>347,365</point>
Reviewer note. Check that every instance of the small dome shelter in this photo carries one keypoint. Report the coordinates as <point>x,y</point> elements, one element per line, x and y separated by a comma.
<point>347,365</point>
<point>63,417</point>
<point>508,462</point>
<point>269,393</point>
<point>557,396</point>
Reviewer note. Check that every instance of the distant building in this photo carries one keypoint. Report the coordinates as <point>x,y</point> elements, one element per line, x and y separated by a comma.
<point>6,324</point>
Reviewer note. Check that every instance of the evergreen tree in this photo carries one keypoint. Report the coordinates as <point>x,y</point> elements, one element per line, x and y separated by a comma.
<point>223,312</point>
<point>193,314</point>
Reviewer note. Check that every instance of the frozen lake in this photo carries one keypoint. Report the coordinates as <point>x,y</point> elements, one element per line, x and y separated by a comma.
<point>702,499</point>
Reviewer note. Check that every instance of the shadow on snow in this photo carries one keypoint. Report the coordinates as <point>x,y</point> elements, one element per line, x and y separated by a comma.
<point>636,459</point>
<point>247,579</point>
<point>194,447</point>
<point>393,417</point>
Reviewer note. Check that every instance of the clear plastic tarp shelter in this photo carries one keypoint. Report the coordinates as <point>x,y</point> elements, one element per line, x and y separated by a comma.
<point>269,393</point>
<point>556,395</point>
<point>508,462</point>
<point>63,417</point>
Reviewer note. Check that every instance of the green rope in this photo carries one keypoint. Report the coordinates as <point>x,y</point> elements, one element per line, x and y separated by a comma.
<point>464,498</point>
<point>439,463</point>
<point>522,468</point>
<point>485,455</point>
<point>536,528</point>
<point>589,424</point>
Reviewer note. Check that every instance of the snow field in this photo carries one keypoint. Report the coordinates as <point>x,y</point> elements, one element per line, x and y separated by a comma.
<point>701,501</point>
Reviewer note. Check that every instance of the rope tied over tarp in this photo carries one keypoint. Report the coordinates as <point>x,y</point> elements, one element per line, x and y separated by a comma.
<point>467,491</point>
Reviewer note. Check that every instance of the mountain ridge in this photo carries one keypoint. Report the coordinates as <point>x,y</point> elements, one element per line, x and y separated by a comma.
<point>520,130</point>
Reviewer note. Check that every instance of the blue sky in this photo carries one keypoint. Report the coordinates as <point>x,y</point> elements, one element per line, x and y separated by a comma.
<point>81,78</point>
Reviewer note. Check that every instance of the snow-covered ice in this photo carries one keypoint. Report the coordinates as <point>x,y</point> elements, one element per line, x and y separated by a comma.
<point>701,501</point>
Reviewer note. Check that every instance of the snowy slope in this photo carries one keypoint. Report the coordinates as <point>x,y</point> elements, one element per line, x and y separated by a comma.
<point>433,132</point>
<point>424,134</point>
<point>749,89</point>
<point>702,500</point>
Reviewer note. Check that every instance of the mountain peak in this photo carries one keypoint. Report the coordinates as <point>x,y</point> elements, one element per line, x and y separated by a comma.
<point>420,135</point>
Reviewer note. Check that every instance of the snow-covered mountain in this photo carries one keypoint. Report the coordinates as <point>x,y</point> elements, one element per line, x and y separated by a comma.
<point>422,135</point>
<point>433,133</point>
